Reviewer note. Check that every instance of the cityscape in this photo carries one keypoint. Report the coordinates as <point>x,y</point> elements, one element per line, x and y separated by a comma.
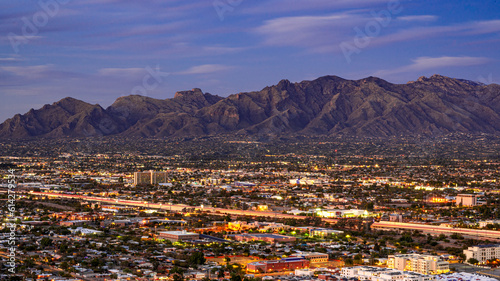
<point>238,140</point>
<point>86,212</point>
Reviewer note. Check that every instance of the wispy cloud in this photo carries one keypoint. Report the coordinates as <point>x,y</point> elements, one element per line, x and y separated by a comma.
<point>205,68</point>
<point>418,18</point>
<point>121,72</point>
<point>427,63</point>
<point>314,32</point>
<point>11,59</point>
<point>283,6</point>
<point>324,33</point>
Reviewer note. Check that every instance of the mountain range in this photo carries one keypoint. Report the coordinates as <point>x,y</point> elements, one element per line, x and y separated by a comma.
<point>328,105</point>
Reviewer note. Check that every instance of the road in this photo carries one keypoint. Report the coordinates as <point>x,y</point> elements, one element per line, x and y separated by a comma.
<point>436,229</point>
<point>176,207</point>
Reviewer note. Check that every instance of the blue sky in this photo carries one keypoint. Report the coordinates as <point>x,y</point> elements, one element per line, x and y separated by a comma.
<point>99,50</point>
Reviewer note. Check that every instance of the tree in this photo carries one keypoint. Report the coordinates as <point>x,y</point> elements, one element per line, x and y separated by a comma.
<point>45,242</point>
<point>472,261</point>
<point>197,258</point>
<point>235,277</point>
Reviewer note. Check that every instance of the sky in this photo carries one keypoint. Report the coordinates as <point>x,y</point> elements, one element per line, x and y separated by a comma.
<point>99,50</point>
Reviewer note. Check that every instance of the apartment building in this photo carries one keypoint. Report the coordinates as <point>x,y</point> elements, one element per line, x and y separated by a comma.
<point>424,264</point>
<point>483,253</point>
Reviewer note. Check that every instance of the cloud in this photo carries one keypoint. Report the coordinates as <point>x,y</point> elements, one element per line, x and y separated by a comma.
<point>11,59</point>
<point>324,33</point>
<point>284,6</point>
<point>418,18</point>
<point>426,63</point>
<point>205,68</point>
<point>458,30</point>
<point>314,32</point>
<point>122,72</point>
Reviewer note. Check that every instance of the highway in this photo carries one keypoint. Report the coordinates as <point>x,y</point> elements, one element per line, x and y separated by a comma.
<point>175,207</point>
<point>436,229</point>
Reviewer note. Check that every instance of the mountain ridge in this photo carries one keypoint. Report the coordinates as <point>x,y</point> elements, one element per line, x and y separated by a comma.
<point>328,105</point>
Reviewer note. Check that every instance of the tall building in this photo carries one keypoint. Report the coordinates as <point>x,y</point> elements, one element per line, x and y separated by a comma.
<point>425,264</point>
<point>150,177</point>
<point>483,253</point>
<point>466,200</point>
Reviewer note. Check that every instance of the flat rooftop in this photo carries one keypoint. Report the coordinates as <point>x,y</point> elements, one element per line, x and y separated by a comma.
<point>178,233</point>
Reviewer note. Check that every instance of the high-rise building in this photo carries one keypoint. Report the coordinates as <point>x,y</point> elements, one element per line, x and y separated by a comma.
<point>466,200</point>
<point>150,177</point>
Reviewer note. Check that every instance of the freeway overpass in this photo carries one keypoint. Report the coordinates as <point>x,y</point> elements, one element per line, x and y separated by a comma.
<point>436,229</point>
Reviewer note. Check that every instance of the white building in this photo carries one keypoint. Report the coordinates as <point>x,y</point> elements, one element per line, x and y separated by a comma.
<point>370,273</point>
<point>466,200</point>
<point>342,213</point>
<point>464,277</point>
<point>84,231</point>
<point>424,264</point>
<point>322,232</point>
<point>483,253</point>
<point>483,224</point>
<point>304,272</point>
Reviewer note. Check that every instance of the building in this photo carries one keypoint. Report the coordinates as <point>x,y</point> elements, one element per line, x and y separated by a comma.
<point>371,273</point>
<point>84,231</point>
<point>322,232</point>
<point>306,181</point>
<point>483,253</point>
<point>483,224</point>
<point>176,236</point>
<point>466,200</point>
<point>396,217</point>
<point>271,238</point>
<point>73,223</point>
<point>288,264</point>
<point>150,177</point>
<point>312,257</point>
<point>463,276</point>
<point>340,213</point>
<point>424,264</point>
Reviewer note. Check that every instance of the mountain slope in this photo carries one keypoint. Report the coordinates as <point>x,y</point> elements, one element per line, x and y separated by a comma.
<point>328,105</point>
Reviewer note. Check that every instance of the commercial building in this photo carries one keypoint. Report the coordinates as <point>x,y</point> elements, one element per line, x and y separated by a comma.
<point>322,232</point>
<point>466,200</point>
<point>271,238</point>
<point>483,224</point>
<point>424,264</point>
<point>175,236</point>
<point>288,264</point>
<point>339,213</point>
<point>371,273</point>
<point>483,253</point>
<point>312,257</point>
<point>306,181</point>
<point>463,276</point>
<point>150,177</point>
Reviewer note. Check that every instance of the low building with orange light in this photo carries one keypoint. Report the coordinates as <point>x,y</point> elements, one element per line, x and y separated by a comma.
<point>288,264</point>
